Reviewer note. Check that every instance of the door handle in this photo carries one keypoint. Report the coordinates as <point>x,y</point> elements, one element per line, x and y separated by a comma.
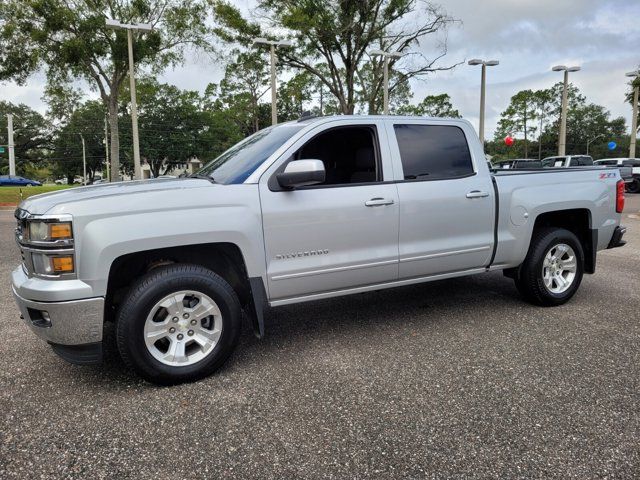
<point>477,194</point>
<point>378,202</point>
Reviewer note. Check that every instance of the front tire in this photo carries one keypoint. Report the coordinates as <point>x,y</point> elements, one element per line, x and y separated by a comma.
<point>552,271</point>
<point>179,323</point>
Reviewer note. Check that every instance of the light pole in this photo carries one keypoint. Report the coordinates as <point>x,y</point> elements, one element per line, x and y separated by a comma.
<point>634,119</point>
<point>483,87</point>
<point>12,147</point>
<point>130,28</point>
<point>385,87</point>
<point>593,140</point>
<point>273,44</point>
<point>84,162</point>
<point>562,142</point>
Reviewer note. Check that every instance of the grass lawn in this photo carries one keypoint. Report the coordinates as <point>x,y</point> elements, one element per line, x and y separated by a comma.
<point>12,195</point>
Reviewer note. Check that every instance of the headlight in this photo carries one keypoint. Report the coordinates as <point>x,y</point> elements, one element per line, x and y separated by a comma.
<point>45,264</point>
<point>49,231</point>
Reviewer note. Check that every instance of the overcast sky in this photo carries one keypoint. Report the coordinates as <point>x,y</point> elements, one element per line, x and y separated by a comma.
<point>526,36</point>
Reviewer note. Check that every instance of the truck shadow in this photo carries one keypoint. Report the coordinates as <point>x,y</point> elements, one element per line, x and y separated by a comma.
<point>291,330</point>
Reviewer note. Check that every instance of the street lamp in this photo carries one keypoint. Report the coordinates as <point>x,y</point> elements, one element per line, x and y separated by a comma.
<point>386,56</point>
<point>130,28</point>
<point>634,119</point>
<point>563,116</point>
<point>273,44</point>
<point>593,140</point>
<point>84,162</point>
<point>483,83</point>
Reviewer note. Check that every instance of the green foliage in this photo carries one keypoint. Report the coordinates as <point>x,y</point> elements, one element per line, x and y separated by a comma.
<point>431,106</point>
<point>519,117</point>
<point>175,127</point>
<point>338,36</point>
<point>86,122</point>
<point>31,136</point>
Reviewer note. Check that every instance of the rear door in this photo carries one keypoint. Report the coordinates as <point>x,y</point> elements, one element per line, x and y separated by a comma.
<point>447,204</point>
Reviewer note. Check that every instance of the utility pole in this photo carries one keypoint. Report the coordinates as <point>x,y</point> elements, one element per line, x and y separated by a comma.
<point>84,162</point>
<point>130,28</point>
<point>106,146</point>
<point>273,59</point>
<point>483,88</point>
<point>385,75</point>
<point>562,141</point>
<point>634,119</point>
<point>12,147</point>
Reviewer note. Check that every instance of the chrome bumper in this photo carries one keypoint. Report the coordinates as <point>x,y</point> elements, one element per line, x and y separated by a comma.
<point>74,322</point>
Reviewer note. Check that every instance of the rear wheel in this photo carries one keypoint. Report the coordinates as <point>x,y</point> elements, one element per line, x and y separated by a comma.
<point>179,323</point>
<point>552,271</point>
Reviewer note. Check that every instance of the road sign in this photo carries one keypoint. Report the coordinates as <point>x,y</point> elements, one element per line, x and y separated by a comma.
<point>1,149</point>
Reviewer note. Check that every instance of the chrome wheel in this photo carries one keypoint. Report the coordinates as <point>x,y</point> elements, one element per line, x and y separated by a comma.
<point>183,328</point>
<point>559,268</point>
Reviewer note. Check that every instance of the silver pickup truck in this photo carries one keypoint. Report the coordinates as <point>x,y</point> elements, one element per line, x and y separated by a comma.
<point>301,211</point>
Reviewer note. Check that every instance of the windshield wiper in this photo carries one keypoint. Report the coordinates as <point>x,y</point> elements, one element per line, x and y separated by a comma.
<point>204,177</point>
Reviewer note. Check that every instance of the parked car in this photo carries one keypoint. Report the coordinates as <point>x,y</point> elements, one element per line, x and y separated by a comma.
<point>567,161</point>
<point>15,181</point>
<point>297,212</point>
<point>520,163</point>
<point>634,185</point>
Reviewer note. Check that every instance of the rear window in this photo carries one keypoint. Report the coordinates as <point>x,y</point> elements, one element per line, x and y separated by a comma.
<point>433,152</point>
<point>581,161</point>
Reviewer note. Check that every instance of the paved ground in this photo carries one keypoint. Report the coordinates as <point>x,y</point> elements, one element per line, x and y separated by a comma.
<point>457,378</point>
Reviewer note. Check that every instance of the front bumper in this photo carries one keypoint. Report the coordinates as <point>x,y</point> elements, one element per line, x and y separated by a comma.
<point>73,328</point>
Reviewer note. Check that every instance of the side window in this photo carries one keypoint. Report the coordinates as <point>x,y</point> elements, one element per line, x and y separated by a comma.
<point>574,162</point>
<point>433,152</point>
<point>350,154</point>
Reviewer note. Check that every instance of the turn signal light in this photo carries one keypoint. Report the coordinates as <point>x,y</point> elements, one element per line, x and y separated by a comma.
<point>60,231</point>
<point>62,264</point>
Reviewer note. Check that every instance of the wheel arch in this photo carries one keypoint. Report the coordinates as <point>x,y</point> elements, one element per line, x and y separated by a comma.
<point>224,258</point>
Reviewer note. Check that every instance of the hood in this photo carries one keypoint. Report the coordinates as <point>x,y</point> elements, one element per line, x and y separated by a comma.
<point>43,203</point>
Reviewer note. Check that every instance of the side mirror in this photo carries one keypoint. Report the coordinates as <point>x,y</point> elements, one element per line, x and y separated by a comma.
<point>300,173</point>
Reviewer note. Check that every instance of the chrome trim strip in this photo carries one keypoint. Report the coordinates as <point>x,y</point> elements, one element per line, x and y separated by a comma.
<point>377,286</point>
<point>445,254</point>
<point>309,273</point>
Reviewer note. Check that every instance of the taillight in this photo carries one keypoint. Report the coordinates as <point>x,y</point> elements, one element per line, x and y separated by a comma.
<point>620,196</point>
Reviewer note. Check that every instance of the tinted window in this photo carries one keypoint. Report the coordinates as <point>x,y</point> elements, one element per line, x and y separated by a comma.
<point>632,162</point>
<point>431,152</point>
<point>607,162</point>
<point>236,164</point>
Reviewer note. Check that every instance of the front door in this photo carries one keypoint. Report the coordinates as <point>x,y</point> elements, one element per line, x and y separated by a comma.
<point>340,234</point>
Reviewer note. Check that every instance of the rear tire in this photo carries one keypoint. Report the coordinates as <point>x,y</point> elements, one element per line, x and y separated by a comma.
<point>634,186</point>
<point>552,271</point>
<point>179,323</point>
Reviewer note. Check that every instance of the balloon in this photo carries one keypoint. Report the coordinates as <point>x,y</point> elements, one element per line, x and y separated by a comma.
<point>612,145</point>
<point>508,141</point>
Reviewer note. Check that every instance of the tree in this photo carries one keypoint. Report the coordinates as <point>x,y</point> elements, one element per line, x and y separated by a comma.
<point>87,121</point>
<point>174,128</point>
<point>432,106</point>
<point>339,34</point>
<point>519,116</point>
<point>31,136</point>
<point>544,104</point>
<point>72,41</point>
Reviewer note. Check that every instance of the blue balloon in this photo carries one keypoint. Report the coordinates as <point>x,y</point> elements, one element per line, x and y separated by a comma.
<point>612,145</point>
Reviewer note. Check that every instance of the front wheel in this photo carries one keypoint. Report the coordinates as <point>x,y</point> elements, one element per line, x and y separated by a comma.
<point>178,323</point>
<point>552,271</point>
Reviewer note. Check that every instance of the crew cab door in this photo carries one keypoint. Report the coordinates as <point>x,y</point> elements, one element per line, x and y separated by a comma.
<point>342,233</point>
<point>447,201</point>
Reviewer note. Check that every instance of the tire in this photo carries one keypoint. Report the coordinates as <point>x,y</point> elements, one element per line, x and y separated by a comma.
<point>537,281</point>
<point>187,291</point>
<point>634,186</point>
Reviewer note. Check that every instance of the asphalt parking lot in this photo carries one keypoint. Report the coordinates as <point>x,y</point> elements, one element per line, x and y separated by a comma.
<point>457,378</point>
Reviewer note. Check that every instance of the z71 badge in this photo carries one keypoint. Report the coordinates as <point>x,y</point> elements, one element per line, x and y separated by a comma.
<point>607,175</point>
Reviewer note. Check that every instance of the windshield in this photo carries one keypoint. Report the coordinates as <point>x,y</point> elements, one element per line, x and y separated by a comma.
<point>236,164</point>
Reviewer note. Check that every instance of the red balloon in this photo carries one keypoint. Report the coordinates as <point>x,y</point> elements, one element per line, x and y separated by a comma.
<point>508,141</point>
